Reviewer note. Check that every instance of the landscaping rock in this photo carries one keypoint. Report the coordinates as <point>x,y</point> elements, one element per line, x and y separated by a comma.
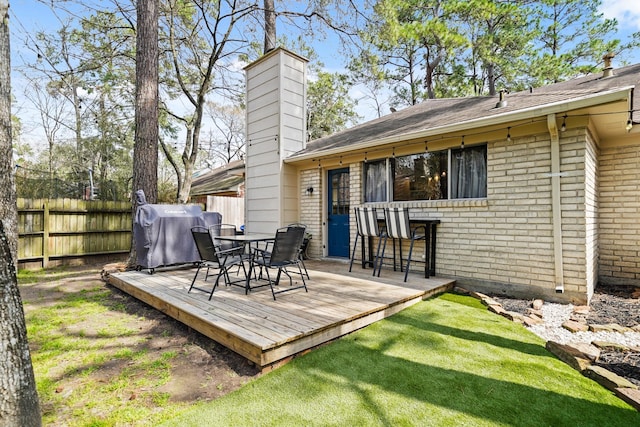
<point>569,355</point>
<point>490,301</point>
<point>589,351</point>
<point>607,378</point>
<point>537,304</point>
<point>531,320</point>
<point>581,309</point>
<point>513,316</point>
<point>610,346</point>
<point>629,395</point>
<point>573,326</point>
<point>479,295</point>
<point>609,327</point>
<point>533,312</point>
<point>496,308</point>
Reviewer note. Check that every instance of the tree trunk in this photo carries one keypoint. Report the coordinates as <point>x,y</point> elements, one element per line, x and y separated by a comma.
<point>145,151</point>
<point>18,396</point>
<point>269,26</point>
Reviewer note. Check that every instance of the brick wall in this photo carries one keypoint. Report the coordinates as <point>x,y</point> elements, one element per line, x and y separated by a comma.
<point>311,209</point>
<point>619,210</point>
<point>504,243</point>
<point>592,183</point>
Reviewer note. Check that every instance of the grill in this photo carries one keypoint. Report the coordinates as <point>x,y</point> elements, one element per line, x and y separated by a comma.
<point>163,233</point>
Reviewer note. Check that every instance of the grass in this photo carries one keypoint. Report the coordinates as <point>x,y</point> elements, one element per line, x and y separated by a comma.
<point>91,367</point>
<point>443,362</point>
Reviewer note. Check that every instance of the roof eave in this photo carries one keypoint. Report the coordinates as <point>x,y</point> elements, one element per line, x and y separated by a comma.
<point>605,97</point>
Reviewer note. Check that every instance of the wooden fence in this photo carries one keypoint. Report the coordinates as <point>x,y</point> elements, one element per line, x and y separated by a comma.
<point>64,231</point>
<point>231,209</point>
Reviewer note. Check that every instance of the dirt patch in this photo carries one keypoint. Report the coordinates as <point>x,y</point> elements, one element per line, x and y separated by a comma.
<point>200,369</point>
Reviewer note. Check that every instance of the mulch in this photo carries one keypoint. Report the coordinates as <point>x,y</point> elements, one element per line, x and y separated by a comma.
<point>621,305</point>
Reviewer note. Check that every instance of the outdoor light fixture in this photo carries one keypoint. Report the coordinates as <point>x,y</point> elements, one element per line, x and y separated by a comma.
<point>629,123</point>
<point>564,123</point>
<point>509,134</point>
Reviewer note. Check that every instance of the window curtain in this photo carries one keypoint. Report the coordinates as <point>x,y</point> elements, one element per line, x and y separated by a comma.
<point>375,182</point>
<point>469,173</point>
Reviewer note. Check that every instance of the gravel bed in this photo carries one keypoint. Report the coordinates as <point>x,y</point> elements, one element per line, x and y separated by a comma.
<point>608,305</point>
<point>554,315</point>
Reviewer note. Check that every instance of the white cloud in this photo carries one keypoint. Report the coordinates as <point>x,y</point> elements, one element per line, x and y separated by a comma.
<point>626,12</point>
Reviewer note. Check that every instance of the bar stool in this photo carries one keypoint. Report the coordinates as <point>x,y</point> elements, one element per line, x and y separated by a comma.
<point>399,227</point>
<point>367,227</point>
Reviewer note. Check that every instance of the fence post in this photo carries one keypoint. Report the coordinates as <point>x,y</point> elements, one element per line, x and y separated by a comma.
<point>45,234</point>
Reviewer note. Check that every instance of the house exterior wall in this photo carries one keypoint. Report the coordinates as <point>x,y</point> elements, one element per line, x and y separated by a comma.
<point>504,243</point>
<point>311,210</point>
<point>618,214</point>
<point>592,188</point>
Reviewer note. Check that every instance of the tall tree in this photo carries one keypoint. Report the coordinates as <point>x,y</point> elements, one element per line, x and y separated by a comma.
<point>421,28</point>
<point>227,139</point>
<point>269,25</point>
<point>498,34</point>
<point>86,69</point>
<point>19,404</point>
<point>145,149</point>
<point>202,45</point>
<point>329,107</point>
<point>145,152</point>
<point>573,38</point>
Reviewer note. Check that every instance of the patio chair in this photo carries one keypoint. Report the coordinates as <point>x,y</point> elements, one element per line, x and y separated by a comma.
<point>212,255</point>
<point>284,253</point>
<point>399,227</point>
<point>300,253</point>
<point>227,230</point>
<point>367,227</point>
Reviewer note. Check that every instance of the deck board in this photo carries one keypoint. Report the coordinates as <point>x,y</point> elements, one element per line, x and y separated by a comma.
<point>267,331</point>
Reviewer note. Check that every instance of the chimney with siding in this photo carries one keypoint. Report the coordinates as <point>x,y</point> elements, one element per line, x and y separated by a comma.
<point>276,128</point>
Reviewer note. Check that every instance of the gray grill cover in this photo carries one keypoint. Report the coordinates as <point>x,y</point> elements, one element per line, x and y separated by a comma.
<point>163,232</point>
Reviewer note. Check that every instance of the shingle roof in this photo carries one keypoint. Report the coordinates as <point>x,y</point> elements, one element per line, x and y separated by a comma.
<point>439,113</point>
<point>221,180</point>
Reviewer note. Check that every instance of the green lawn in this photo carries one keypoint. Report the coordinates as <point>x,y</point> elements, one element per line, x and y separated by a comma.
<point>444,362</point>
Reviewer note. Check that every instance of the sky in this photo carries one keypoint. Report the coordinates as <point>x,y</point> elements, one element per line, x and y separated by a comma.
<point>29,16</point>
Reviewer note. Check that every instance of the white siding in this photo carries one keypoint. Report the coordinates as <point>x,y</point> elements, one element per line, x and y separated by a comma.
<point>275,129</point>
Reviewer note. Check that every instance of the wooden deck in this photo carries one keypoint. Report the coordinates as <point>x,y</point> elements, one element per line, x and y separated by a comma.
<point>267,331</point>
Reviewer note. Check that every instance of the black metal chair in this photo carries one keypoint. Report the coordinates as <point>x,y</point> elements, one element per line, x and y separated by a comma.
<point>301,253</point>
<point>399,227</point>
<point>212,255</point>
<point>284,253</point>
<point>367,227</point>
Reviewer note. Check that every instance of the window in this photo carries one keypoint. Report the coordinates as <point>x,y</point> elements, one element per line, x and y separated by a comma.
<point>469,172</point>
<point>420,176</point>
<point>375,181</point>
<point>448,174</point>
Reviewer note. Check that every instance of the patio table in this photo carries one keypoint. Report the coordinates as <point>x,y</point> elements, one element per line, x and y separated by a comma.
<point>248,240</point>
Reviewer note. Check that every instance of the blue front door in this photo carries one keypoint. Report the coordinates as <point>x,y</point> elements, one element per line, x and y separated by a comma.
<point>338,215</point>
